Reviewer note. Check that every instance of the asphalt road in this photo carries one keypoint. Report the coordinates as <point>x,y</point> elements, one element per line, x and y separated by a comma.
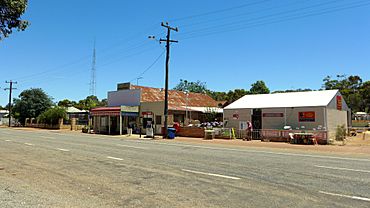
<point>53,169</point>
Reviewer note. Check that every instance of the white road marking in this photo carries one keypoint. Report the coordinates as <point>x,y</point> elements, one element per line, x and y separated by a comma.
<point>47,137</point>
<point>346,169</point>
<point>29,144</point>
<point>346,196</point>
<point>114,158</point>
<point>63,150</point>
<point>122,145</point>
<point>211,174</point>
<point>269,152</point>
<point>8,140</point>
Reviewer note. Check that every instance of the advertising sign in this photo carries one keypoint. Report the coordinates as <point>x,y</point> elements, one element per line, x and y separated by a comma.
<point>339,102</point>
<point>124,97</point>
<point>236,116</point>
<point>308,116</point>
<point>273,115</point>
<point>132,111</point>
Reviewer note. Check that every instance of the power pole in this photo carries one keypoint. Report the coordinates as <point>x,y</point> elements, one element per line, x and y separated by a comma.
<point>168,41</point>
<point>10,98</point>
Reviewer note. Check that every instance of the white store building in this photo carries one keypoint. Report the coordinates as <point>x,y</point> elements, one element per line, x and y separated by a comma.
<point>314,110</point>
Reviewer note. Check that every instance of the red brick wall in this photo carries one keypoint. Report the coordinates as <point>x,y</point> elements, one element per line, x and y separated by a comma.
<point>191,132</point>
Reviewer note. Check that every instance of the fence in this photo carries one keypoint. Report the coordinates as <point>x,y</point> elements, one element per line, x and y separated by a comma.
<point>280,135</point>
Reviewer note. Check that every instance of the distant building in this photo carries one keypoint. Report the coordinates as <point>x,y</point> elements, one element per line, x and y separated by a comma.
<point>3,117</point>
<point>314,110</point>
<point>137,106</point>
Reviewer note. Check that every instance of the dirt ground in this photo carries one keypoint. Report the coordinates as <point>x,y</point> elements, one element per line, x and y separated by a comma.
<point>353,146</point>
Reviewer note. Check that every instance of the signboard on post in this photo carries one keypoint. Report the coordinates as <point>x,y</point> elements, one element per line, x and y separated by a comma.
<point>308,116</point>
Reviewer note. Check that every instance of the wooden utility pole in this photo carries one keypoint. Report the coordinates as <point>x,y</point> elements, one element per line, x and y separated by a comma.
<point>168,41</point>
<point>10,99</point>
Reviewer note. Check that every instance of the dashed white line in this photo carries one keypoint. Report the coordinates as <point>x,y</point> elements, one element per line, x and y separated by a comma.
<point>8,140</point>
<point>29,144</point>
<point>346,196</point>
<point>47,137</point>
<point>114,158</point>
<point>346,169</point>
<point>211,174</point>
<point>63,150</point>
<point>269,152</point>
<point>122,145</point>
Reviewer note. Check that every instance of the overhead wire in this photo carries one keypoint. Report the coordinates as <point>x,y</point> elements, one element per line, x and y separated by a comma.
<point>236,26</point>
<point>150,66</point>
<point>84,58</point>
<point>230,23</point>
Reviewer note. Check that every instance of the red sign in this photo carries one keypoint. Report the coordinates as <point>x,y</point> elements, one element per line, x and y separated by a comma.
<point>147,114</point>
<point>273,114</point>
<point>308,116</point>
<point>339,102</point>
<point>235,116</point>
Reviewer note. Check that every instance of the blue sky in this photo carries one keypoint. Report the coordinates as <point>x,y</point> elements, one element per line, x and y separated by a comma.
<point>227,44</point>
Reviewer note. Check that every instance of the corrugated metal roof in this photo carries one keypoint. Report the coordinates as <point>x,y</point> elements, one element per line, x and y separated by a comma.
<point>75,110</point>
<point>281,100</point>
<point>206,109</point>
<point>106,109</point>
<point>176,98</point>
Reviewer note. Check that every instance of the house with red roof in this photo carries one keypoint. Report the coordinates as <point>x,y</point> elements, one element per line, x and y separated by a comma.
<point>136,107</point>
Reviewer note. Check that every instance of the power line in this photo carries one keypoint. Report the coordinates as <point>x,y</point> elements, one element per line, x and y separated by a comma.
<point>231,23</point>
<point>219,11</point>
<point>150,66</point>
<point>84,58</point>
<point>235,27</point>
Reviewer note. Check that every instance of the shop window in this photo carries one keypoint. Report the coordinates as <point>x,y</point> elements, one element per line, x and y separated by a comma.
<point>158,119</point>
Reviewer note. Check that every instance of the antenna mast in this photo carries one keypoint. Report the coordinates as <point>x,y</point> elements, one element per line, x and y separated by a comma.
<point>93,73</point>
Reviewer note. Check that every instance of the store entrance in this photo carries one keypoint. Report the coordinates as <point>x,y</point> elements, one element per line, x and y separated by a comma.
<point>256,123</point>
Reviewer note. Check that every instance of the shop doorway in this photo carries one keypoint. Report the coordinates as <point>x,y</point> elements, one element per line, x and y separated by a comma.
<point>256,123</point>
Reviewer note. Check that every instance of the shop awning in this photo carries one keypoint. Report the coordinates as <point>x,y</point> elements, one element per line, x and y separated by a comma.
<point>106,111</point>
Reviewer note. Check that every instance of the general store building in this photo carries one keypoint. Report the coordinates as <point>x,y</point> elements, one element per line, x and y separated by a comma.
<point>132,106</point>
<point>318,111</point>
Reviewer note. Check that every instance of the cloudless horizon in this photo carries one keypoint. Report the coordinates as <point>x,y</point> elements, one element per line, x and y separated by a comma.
<point>228,45</point>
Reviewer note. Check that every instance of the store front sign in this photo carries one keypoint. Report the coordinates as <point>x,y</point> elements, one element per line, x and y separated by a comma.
<point>130,111</point>
<point>308,116</point>
<point>339,102</point>
<point>236,116</point>
<point>273,114</point>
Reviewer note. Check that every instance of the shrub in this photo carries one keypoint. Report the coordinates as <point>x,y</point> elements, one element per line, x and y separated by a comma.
<point>341,133</point>
<point>52,115</point>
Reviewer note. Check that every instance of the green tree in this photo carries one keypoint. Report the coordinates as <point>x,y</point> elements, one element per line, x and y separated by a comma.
<point>296,90</point>
<point>66,103</point>
<point>10,14</point>
<point>31,104</point>
<point>365,94</point>
<point>52,115</point>
<point>90,102</point>
<point>197,87</point>
<point>259,87</point>
<point>350,88</point>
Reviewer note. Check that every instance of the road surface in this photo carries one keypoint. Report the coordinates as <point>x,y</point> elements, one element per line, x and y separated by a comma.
<point>56,169</point>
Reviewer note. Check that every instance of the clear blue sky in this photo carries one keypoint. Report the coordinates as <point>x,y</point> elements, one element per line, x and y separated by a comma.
<point>227,44</point>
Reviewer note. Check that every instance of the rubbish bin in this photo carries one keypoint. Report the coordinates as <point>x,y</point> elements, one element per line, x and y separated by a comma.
<point>171,133</point>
